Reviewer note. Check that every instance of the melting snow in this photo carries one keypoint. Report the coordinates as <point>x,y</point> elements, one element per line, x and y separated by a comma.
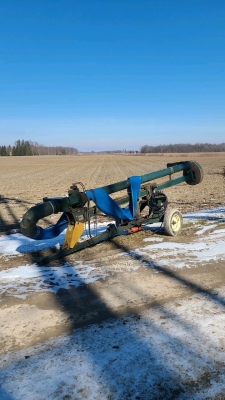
<point>172,351</point>
<point>26,278</point>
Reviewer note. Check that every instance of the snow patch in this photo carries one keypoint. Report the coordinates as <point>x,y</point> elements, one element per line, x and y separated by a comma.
<point>169,351</point>
<point>28,278</point>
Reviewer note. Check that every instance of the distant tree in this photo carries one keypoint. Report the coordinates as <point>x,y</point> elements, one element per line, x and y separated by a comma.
<point>3,151</point>
<point>184,148</point>
<point>29,148</point>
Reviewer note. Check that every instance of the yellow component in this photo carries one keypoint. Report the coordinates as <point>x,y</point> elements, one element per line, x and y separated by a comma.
<point>73,233</point>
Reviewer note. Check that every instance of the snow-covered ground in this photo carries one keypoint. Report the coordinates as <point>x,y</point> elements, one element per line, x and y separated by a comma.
<point>32,278</point>
<point>158,355</point>
<point>172,351</point>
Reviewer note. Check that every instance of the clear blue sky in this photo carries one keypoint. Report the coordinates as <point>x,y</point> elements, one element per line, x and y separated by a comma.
<point>103,75</point>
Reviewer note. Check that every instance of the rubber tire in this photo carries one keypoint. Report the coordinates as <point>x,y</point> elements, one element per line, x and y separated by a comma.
<point>199,174</point>
<point>173,222</point>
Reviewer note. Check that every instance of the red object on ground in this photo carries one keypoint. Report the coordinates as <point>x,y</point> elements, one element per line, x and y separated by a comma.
<point>135,229</point>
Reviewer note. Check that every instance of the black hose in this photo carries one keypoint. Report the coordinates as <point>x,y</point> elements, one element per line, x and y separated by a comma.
<point>31,217</point>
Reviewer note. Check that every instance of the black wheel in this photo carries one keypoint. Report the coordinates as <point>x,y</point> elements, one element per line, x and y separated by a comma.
<point>197,172</point>
<point>173,222</point>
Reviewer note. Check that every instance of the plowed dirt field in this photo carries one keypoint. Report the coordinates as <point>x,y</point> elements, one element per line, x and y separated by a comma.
<point>120,277</point>
<point>26,180</point>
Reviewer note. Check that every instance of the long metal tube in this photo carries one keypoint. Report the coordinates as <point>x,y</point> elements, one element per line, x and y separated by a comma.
<point>116,187</point>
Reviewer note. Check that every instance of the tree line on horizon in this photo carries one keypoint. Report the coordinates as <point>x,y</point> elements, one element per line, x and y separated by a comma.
<point>29,148</point>
<point>184,148</point>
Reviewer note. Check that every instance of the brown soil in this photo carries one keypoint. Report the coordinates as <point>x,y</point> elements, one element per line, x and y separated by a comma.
<point>26,180</point>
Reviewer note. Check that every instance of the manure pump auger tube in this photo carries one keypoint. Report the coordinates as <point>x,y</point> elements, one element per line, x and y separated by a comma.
<point>76,210</point>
